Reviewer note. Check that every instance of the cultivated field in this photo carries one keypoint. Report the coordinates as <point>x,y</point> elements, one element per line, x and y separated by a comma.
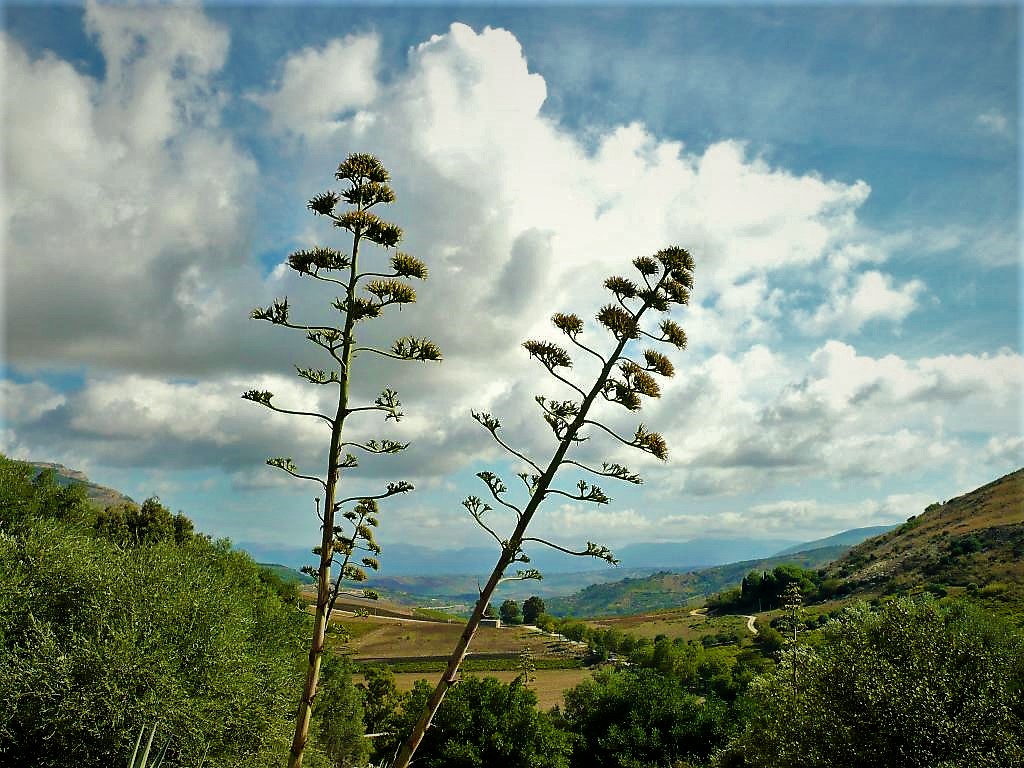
<point>381,638</point>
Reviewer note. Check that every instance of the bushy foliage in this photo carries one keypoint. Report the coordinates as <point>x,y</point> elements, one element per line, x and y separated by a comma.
<point>635,719</point>
<point>916,684</point>
<point>509,612</point>
<point>484,723</point>
<point>97,639</point>
<point>27,494</point>
<point>533,607</point>
<point>339,715</point>
<point>130,525</point>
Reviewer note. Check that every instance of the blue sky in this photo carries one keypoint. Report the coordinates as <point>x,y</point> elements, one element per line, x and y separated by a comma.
<point>847,178</point>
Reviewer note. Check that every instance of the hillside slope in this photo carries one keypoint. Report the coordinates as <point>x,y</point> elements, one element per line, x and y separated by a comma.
<point>974,541</point>
<point>670,590</point>
<point>99,495</point>
<point>848,538</point>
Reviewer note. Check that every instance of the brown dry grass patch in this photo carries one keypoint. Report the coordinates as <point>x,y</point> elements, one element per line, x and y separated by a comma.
<point>405,639</point>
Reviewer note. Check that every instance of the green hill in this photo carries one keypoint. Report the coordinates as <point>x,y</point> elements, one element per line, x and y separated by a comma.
<point>973,543</point>
<point>670,590</point>
<point>286,574</point>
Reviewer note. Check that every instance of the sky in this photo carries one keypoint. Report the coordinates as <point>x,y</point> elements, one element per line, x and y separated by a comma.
<point>847,178</point>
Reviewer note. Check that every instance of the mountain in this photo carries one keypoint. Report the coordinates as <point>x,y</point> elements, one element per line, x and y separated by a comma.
<point>400,560</point>
<point>463,588</point>
<point>696,553</point>
<point>848,538</point>
<point>974,542</point>
<point>671,590</point>
<point>98,495</point>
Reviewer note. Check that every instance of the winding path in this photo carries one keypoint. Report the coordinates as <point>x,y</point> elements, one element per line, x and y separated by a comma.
<point>750,619</point>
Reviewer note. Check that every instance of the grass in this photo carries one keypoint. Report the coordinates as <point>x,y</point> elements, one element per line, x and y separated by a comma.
<point>507,664</point>
<point>435,615</point>
<point>678,623</point>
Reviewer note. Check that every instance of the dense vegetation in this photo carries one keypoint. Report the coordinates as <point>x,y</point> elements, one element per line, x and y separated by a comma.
<point>117,618</point>
<point>915,684</point>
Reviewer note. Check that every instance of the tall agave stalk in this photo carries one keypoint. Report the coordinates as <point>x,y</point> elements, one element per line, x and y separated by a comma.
<point>364,295</point>
<point>665,280</point>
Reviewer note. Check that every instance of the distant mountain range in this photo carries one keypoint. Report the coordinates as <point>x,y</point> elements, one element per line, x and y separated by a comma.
<point>417,572</point>
<point>848,538</point>
<point>399,560</point>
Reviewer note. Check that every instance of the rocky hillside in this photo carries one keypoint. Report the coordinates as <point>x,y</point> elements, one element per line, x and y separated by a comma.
<point>99,495</point>
<point>974,542</point>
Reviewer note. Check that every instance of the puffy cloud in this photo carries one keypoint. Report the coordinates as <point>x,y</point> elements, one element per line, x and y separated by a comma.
<point>762,419</point>
<point>147,271</point>
<point>851,305</point>
<point>26,403</point>
<point>816,518</point>
<point>342,75</point>
<point>121,233</point>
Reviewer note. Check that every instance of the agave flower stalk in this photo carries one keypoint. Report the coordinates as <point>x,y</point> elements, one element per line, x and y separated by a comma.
<point>347,524</point>
<point>664,280</point>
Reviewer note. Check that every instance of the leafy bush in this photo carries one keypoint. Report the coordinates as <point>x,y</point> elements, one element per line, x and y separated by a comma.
<point>640,718</point>
<point>483,723</point>
<point>98,639</point>
<point>917,684</point>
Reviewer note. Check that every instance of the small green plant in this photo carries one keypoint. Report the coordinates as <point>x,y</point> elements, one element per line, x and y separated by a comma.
<point>138,760</point>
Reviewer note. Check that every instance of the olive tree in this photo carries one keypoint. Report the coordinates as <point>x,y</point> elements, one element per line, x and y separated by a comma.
<point>365,295</point>
<point>625,374</point>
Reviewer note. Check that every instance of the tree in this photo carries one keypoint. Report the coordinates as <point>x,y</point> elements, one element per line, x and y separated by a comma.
<point>368,187</point>
<point>26,493</point>
<point>532,608</point>
<point>381,699</point>
<point>916,684</point>
<point>98,639</point>
<point>485,723</point>
<point>509,612</point>
<point>527,665</point>
<point>665,280</point>
<point>640,718</point>
<point>339,711</point>
<point>130,525</point>
<point>791,603</point>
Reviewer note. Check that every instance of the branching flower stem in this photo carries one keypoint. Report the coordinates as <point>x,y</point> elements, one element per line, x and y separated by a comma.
<point>325,593</point>
<point>368,186</point>
<point>510,549</point>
